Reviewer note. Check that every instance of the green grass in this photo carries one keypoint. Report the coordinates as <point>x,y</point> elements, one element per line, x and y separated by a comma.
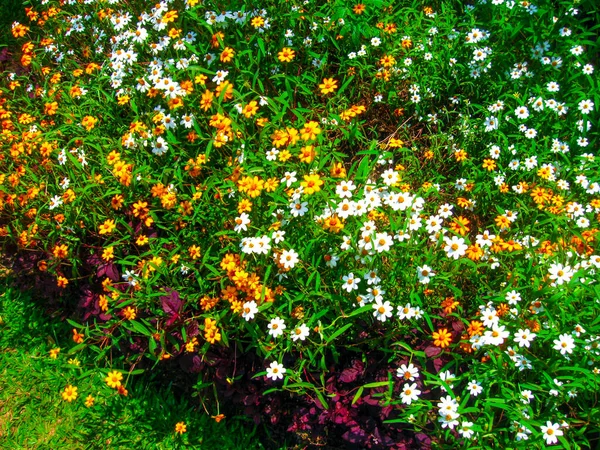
<point>33,414</point>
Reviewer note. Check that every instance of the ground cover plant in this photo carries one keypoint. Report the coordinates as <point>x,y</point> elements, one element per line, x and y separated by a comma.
<point>35,366</point>
<point>372,224</point>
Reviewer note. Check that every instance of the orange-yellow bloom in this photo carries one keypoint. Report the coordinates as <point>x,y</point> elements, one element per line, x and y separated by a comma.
<point>312,183</point>
<point>442,338</point>
<point>113,379</point>
<point>286,55</point>
<point>227,54</point>
<point>107,227</point>
<point>359,9</point>
<point>180,427</point>
<point>250,109</point>
<point>70,393</point>
<point>310,131</point>
<point>328,85</point>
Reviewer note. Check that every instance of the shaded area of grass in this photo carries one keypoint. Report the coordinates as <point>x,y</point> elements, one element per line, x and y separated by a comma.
<point>10,10</point>
<point>33,414</point>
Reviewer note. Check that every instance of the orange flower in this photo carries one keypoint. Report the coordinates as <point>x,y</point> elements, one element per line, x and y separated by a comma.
<point>218,417</point>
<point>286,55</point>
<point>460,225</point>
<point>333,224</point>
<point>77,337</point>
<point>460,155</point>
<point>442,338</point>
<point>60,251</point>
<point>51,108</point>
<point>194,252</point>
<point>89,401</point>
<point>89,122</point>
<point>474,252</point>
<point>359,9</point>
<point>541,195</point>
<point>475,328</point>
<point>219,36</point>
<point>387,61</point>
<point>449,305</point>
<point>19,30</point>
<point>207,99</point>
<point>307,154</point>
<point>180,427</point>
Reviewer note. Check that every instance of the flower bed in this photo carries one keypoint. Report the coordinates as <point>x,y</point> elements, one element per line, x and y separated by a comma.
<point>387,211</point>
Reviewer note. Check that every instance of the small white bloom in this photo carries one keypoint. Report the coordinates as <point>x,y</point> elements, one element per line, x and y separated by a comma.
<point>249,309</point>
<point>276,327</point>
<point>301,332</point>
<point>565,344</point>
<point>383,311</point>
<point>409,394</point>
<point>275,371</point>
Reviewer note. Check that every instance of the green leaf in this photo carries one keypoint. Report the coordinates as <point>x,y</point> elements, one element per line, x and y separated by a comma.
<point>377,384</point>
<point>358,394</point>
<point>338,332</point>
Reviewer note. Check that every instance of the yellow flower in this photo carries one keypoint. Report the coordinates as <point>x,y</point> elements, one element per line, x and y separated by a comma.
<point>312,183</point>
<point>328,85</point>
<point>54,353</point>
<point>257,22</point>
<point>194,252</point>
<point>489,164</point>
<point>286,55</point>
<point>113,379</point>
<point>70,393</point>
<point>62,281</point>
<point>129,313</point>
<point>250,109</point>
<point>310,131</point>
<point>227,54</point>
<point>89,401</point>
<point>89,122</point>
<point>107,227</point>
<point>108,254</point>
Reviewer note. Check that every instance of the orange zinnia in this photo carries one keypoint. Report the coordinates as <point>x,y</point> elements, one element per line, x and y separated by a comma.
<point>442,338</point>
